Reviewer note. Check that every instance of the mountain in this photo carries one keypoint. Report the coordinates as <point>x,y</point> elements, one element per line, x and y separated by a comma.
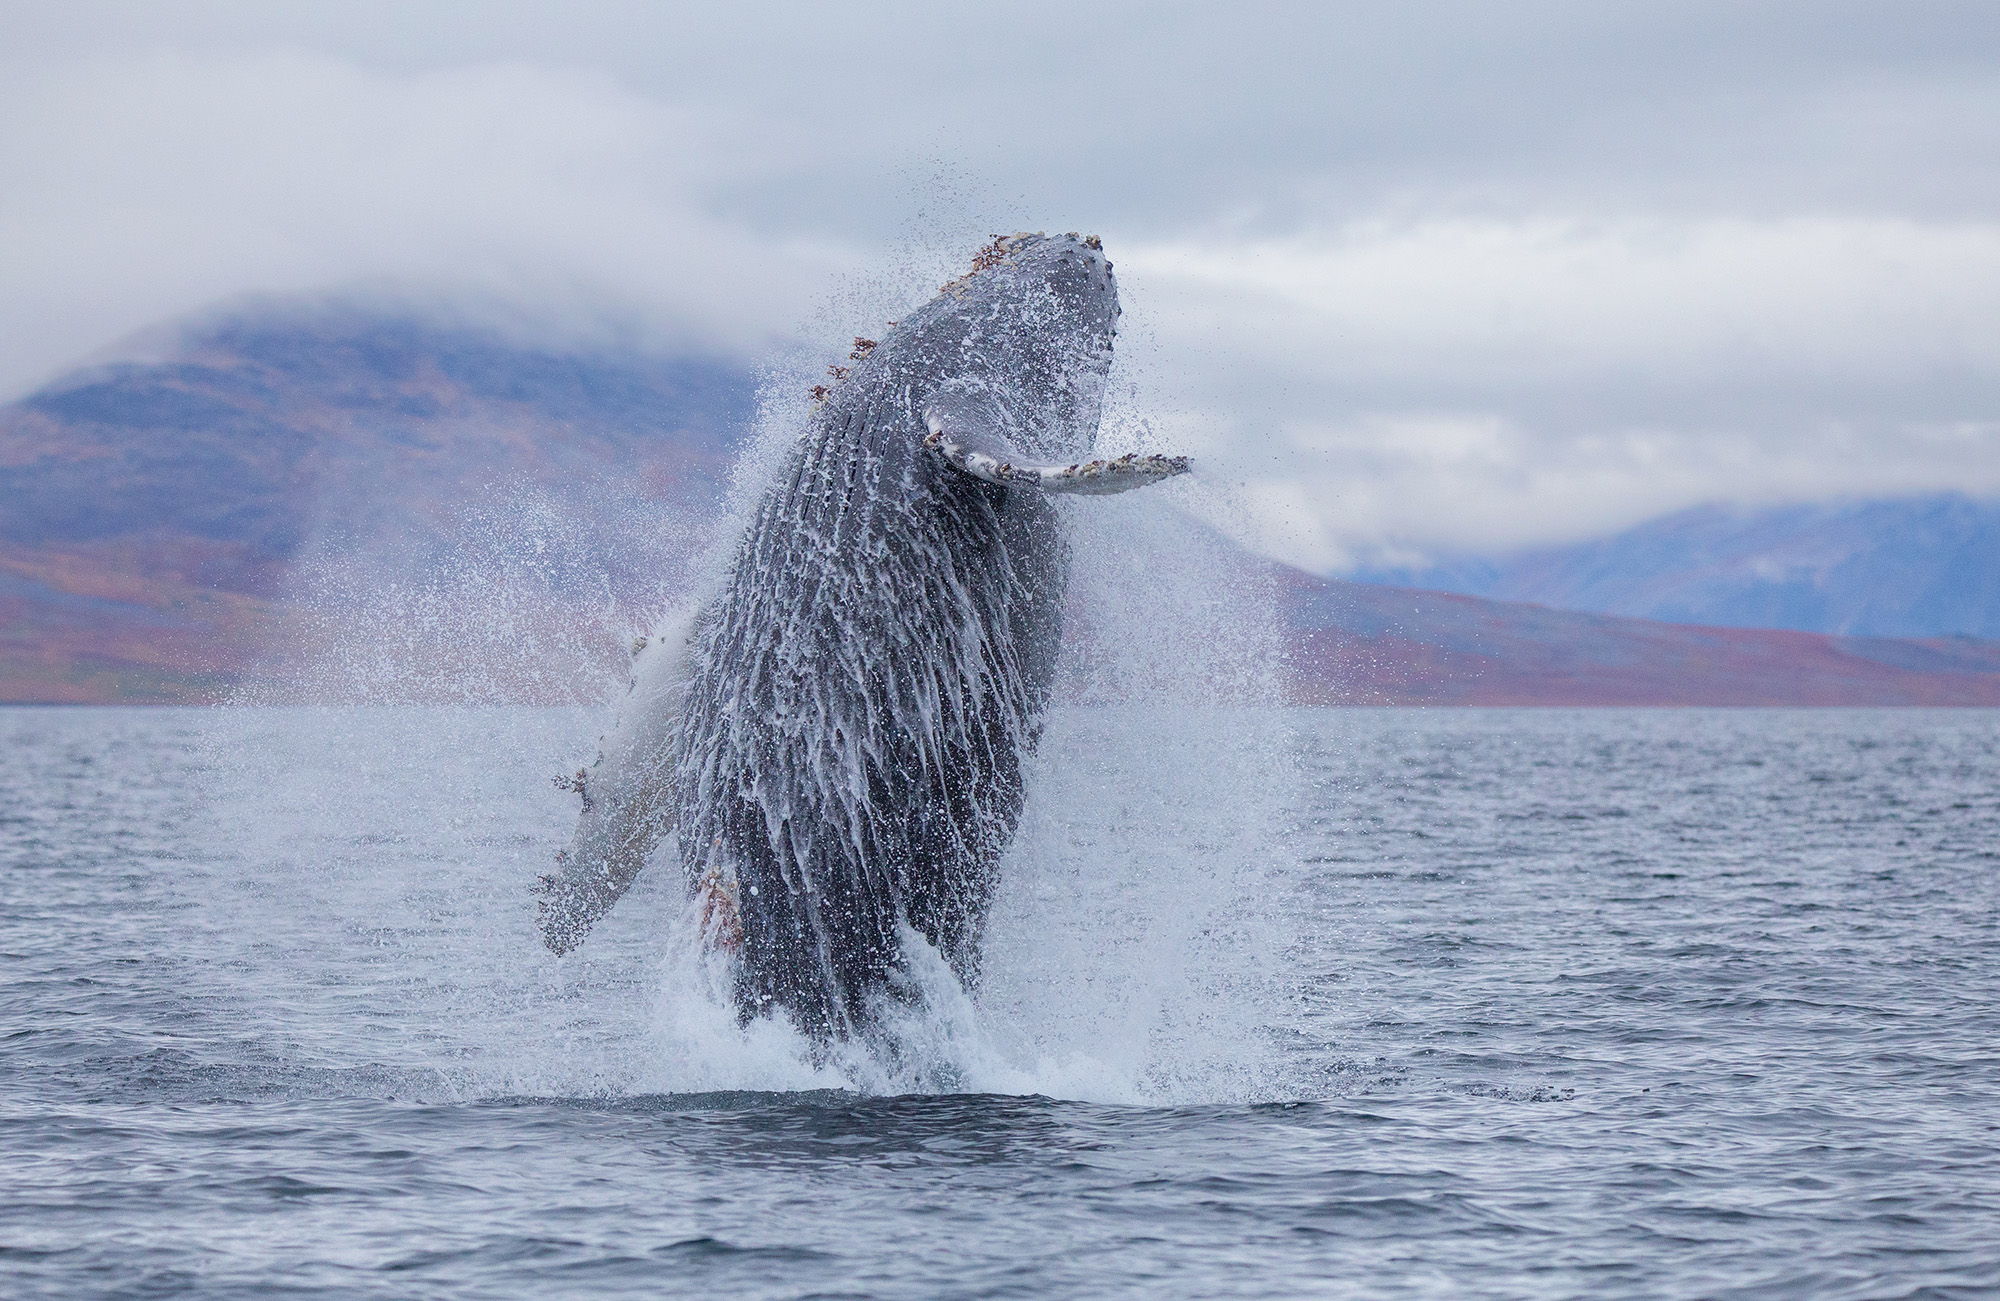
<point>1359,643</point>
<point>159,522</point>
<point>334,505</point>
<point>1909,567</point>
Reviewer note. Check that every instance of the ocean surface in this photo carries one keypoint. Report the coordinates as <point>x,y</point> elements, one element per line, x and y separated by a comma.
<point>1279,1004</point>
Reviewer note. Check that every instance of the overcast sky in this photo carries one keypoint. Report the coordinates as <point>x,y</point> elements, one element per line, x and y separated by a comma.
<point>1416,276</point>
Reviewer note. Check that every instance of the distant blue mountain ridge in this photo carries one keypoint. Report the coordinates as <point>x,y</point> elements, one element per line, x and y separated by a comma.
<point>1925,566</point>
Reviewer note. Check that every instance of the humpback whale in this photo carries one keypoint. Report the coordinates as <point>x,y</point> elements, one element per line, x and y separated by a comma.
<point>835,736</point>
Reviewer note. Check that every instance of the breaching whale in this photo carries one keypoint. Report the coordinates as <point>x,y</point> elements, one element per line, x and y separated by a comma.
<point>836,735</point>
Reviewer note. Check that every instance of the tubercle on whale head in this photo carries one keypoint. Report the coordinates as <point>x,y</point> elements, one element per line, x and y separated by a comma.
<point>992,255</point>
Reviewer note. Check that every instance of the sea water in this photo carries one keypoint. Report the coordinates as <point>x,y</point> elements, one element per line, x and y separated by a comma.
<point>1278,1004</point>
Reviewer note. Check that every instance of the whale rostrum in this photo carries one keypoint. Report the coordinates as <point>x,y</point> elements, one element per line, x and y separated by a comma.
<point>836,734</point>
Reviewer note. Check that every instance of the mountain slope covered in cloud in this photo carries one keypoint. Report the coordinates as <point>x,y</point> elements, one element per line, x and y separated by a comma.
<point>1924,566</point>
<point>169,528</point>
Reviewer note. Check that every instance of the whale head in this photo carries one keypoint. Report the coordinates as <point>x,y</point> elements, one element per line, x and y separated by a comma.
<point>1061,286</point>
<point>1026,333</point>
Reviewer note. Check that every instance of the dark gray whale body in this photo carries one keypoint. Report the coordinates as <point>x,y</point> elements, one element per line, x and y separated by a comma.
<point>837,736</point>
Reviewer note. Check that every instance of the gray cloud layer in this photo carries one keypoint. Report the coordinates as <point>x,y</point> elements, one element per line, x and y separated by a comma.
<point>1420,276</point>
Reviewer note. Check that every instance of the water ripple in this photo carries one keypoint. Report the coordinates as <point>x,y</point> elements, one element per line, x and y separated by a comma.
<point>1579,1003</point>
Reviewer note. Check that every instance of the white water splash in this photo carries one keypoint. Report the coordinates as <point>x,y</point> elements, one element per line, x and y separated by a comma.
<point>382,856</point>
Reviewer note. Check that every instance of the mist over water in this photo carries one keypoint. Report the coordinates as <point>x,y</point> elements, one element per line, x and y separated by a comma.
<point>512,593</point>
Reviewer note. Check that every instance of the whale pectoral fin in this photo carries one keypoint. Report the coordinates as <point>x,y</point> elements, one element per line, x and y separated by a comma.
<point>1099,478</point>
<point>628,800</point>
<point>592,877</point>
<point>987,457</point>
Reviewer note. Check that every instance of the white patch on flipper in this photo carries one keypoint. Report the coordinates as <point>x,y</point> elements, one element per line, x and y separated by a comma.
<point>628,794</point>
<point>1093,478</point>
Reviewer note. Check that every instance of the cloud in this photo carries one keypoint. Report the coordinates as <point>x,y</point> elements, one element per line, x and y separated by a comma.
<point>1493,307</point>
<point>144,188</point>
<point>1420,277</point>
<point>1476,385</point>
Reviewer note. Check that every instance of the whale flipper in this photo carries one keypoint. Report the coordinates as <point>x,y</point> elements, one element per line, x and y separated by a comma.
<point>988,456</point>
<point>628,797</point>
